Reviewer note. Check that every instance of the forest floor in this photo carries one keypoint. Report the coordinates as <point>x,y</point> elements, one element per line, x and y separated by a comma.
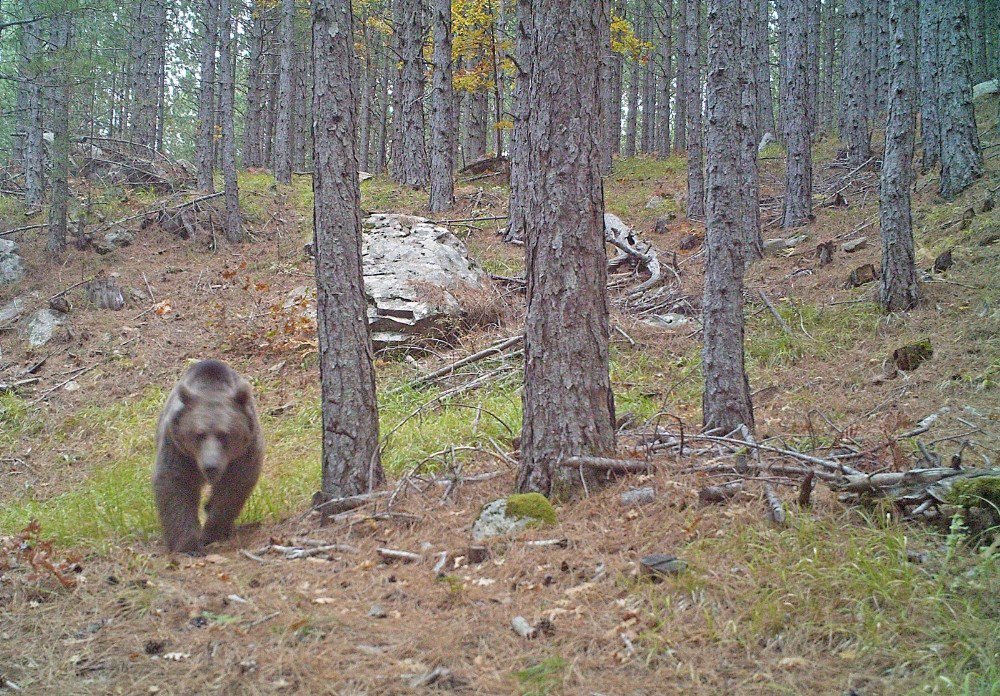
<point>833,602</point>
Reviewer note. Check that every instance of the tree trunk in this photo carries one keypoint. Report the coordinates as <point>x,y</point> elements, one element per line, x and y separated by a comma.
<point>899,289</point>
<point>475,143</point>
<point>857,131</point>
<point>961,156</point>
<point>351,463</point>
<point>726,403</point>
<point>442,194</point>
<point>253,132</point>
<point>410,168</point>
<point>227,90</point>
<point>812,18</point>
<point>795,86</point>
<point>632,118</point>
<point>753,42</point>
<point>607,68</point>
<point>762,64</point>
<point>930,84</point>
<point>283,125</point>
<point>664,36</point>
<point>617,88</point>
<point>34,146</point>
<point>147,55</point>
<point>206,97</point>
<point>646,141</point>
<point>303,128</point>
<point>61,25</point>
<point>517,201</point>
<point>829,49</point>
<point>381,145</point>
<point>568,403</point>
<point>693,103</point>
<point>680,103</point>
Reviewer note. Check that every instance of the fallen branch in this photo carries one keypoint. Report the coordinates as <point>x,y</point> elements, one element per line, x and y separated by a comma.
<point>720,493</point>
<point>784,325</point>
<point>616,466</point>
<point>332,506</point>
<point>775,509</point>
<point>495,349</point>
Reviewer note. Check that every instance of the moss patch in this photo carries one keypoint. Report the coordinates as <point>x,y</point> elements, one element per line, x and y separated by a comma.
<point>981,491</point>
<point>533,505</point>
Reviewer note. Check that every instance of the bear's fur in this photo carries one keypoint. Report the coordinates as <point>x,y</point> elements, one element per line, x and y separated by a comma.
<point>208,434</point>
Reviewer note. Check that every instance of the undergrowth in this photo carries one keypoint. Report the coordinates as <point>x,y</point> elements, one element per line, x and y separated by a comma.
<point>829,585</point>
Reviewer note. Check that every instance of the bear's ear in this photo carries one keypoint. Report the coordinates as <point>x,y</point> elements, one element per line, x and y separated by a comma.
<point>242,395</point>
<point>187,396</point>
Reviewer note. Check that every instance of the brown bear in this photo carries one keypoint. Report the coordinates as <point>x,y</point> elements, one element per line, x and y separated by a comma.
<point>208,434</point>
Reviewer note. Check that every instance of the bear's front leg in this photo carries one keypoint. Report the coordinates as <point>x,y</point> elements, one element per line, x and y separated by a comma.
<point>229,494</point>
<point>177,497</point>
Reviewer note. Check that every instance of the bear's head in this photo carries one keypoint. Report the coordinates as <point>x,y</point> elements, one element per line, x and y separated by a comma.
<point>214,429</point>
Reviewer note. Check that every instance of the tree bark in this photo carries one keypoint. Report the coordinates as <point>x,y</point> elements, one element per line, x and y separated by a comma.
<point>693,104</point>
<point>726,403</point>
<point>930,87</point>
<point>752,43</point>
<point>283,125</point>
<point>795,86</point>
<point>227,91</point>
<point>206,98</point>
<point>664,36</point>
<point>857,130</point>
<point>381,145</point>
<point>647,136</point>
<point>762,63</point>
<point>568,403</point>
<point>410,168</point>
<point>829,50</point>
<point>517,200</point>
<point>680,102</point>
<point>351,463</point>
<point>476,136</point>
<point>899,289</point>
<point>34,148</point>
<point>61,27</point>
<point>253,132</point>
<point>442,194</point>
<point>961,156</point>
<point>632,118</point>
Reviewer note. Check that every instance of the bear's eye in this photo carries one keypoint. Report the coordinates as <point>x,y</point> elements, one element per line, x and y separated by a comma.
<point>201,435</point>
<point>222,438</point>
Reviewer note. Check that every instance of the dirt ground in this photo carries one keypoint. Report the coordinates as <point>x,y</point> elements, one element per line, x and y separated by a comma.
<point>137,621</point>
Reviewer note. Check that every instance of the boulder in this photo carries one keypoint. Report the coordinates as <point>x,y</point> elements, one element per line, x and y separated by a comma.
<point>654,202</point>
<point>511,515</point>
<point>984,89</point>
<point>41,326</point>
<point>415,272</point>
<point>776,245</point>
<point>11,264</point>
<point>854,245</point>
<point>13,310</point>
<point>670,320</point>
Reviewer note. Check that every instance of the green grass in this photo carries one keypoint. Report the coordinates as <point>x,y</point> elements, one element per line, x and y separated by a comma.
<point>817,331</point>
<point>541,678</point>
<point>380,195</point>
<point>831,585</point>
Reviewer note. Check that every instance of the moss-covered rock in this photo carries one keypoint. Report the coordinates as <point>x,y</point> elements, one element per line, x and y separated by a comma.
<point>511,515</point>
<point>532,505</point>
<point>981,491</point>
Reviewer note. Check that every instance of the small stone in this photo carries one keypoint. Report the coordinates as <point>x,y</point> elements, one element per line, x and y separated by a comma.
<point>11,311</point>
<point>661,565</point>
<point>910,357</point>
<point>377,612</point>
<point>119,238</point>
<point>654,202</point>
<point>662,225</point>
<point>987,205</point>
<point>635,497</point>
<point>154,647</point>
<point>862,275</point>
<point>824,253</point>
<point>508,516</point>
<point>60,304</point>
<point>917,557</point>
<point>690,242</point>
<point>523,628</point>
<point>41,327</point>
<point>669,320</point>
<point>12,268</point>
<point>477,554</point>
<point>854,245</point>
<point>943,262</point>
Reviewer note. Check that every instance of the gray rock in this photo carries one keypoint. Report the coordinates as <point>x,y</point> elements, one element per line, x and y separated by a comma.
<point>377,612</point>
<point>662,564</point>
<point>985,88</point>
<point>634,497</point>
<point>669,320</point>
<point>494,521</point>
<point>415,273</point>
<point>654,202</point>
<point>854,245</point>
<point>119,238</point>
<point>13,310</point>
<point>41,326</point>
<point>774,245</point>
<point>11,264</point>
